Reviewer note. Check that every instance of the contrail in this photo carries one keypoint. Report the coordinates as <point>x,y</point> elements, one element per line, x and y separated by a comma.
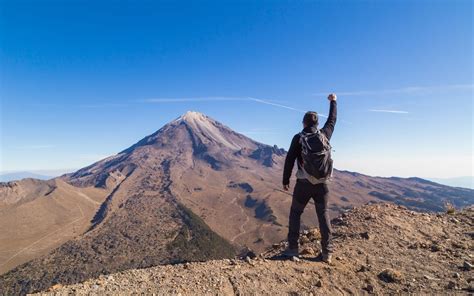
<point>277,105</point>
<point>404,90</point>
<point>280,105</point>
<point>389,111</point>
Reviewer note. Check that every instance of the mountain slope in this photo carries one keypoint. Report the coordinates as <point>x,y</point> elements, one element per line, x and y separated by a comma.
<point>380,249</point>
<point>37,216</point>
<point>193,190</point>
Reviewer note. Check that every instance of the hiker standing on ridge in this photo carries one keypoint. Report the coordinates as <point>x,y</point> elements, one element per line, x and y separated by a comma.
<point>312,150</point>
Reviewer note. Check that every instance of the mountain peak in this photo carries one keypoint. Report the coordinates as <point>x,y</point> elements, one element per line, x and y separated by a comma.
<point>208,130</point>
<point>193,116</point>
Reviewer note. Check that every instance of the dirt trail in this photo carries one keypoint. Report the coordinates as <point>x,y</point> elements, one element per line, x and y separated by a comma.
<point>247,219</point>
<point>88,198</point>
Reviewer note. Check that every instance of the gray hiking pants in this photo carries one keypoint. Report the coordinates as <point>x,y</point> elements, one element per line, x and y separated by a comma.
<point>303,192</point>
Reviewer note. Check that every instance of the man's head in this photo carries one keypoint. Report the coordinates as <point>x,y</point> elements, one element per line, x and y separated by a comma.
<point>310,119</point>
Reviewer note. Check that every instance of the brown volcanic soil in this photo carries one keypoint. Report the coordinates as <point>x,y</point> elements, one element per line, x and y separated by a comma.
<point>381,249</point>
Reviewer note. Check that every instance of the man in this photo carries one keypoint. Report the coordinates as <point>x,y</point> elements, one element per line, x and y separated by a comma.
<point>308,185</point>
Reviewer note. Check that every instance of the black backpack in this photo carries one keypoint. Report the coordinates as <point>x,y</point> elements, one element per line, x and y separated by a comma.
<point>316,154</point>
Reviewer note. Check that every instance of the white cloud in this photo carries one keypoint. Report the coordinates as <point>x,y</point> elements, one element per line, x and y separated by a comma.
<point>202,99</point>
<point>403,90</point>
<point>102,105</point>
<point>34,147</point>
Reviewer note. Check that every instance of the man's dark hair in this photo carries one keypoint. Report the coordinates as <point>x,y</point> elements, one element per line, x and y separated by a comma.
<point>310,119</point>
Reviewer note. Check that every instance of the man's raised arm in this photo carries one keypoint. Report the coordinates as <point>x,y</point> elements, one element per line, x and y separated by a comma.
<point>328,128</point>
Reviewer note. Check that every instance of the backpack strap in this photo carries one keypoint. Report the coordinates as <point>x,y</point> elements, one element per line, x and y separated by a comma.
<point>304,142</point>
<point>305,145</point>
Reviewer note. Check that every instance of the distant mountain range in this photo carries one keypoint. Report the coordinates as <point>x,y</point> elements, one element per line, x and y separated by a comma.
<point>465,182</point>
<point>8,176</point>
<point>194,190</point>
<point>22,175</point>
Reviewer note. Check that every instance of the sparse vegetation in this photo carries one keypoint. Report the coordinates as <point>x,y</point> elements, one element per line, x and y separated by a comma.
<point>244,186</point>
<point>250,202</point>
<point>450,209</point>
<point>197,242</point>
<point>345,199</point>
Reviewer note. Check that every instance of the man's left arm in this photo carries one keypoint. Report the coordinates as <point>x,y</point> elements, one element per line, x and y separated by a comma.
<point>291,157</point>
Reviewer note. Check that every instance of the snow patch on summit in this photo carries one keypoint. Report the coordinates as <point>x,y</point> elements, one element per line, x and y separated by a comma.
<point>208,128</point>
<point>191,115</point>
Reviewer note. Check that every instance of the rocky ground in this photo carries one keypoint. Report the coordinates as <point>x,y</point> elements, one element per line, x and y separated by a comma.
<point>381,249</point>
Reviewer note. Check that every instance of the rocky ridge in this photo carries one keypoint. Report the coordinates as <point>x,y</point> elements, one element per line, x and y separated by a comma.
<point>381,249</point>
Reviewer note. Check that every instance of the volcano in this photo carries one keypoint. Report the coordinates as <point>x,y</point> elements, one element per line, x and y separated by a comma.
<point>194,190</point>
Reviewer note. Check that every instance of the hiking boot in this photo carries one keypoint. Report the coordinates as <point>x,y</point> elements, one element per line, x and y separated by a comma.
<point>326,257</point>
<point>290,252</point>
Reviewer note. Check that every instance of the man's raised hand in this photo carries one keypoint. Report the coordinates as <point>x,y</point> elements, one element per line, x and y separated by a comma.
<point>332,97</point>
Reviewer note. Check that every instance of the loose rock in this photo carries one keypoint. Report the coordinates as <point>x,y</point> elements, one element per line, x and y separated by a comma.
<point>365,235</point>
<point>308,251</point>
<point>295,259</point>
<point>390,276</point>
<point>467,266</point>
<point>369,288</point>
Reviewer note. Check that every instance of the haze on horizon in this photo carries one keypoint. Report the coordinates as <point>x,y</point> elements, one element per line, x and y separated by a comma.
<point>84,80</point>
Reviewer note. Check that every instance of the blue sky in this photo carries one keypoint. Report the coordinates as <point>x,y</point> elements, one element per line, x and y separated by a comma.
<point>81,80</point>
